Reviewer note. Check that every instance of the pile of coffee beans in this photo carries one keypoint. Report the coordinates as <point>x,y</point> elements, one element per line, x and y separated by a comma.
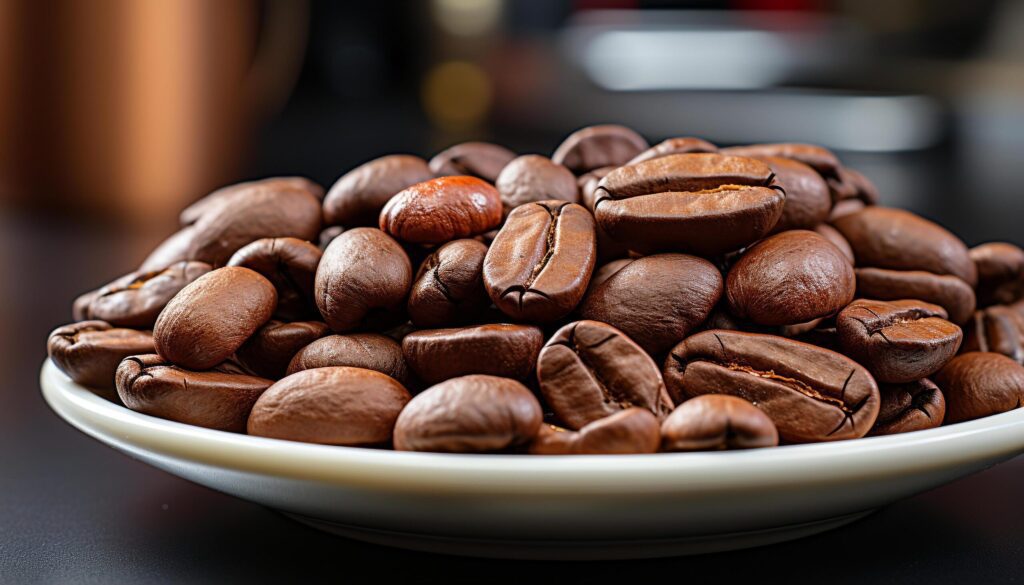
<point>614,298</point>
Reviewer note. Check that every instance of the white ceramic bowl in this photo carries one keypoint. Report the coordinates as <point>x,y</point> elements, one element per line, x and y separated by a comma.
<point>568,507</point>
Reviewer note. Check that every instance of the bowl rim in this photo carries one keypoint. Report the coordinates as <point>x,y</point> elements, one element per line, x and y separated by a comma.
<point>1000,435</point>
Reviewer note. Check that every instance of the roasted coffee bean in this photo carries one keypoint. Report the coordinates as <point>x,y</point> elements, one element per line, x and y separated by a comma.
<point>290,265</point>
<point>790,278</point>
<point>370,351</point>
<point>593,147</point>
<point>951,293</point>
<point>363,277</point>
<point>135,300</point>
<point>807,198</point>
<point>844,208</point>
<point>898,341</point>
<point>913,406</point>
<point>832,235</point>
<point>717,422</point>
<point>89,351</point>
<point>80,307</point>
<point>327,236</point>
<point>1000,273</point>
<point>589,370</point>
<point>358,196</point>
<point>192,213</point>
<point>998,329</point>
<point>702,203</point>
<point>482,160</point>
<point>532,178</point>
<point>207,321</point>
<point>607,248</point>
<point>331,406</point>
<point>979,384</point>
<point>630,431</point>
<point>219,399</point>
<point>268,352</point>
<point>176,248</point>
<point>656,300</point>
<point>810,393</point>
<point>538,267</point>
<point>606,271</point>
<point>818,158</point>
<point>684,145</point>
<point>849,184</point>
<point>588,186</point>
<point>441,210</point>
<point>471,414</point>
<point>449,286</point>
<point>509,351</point>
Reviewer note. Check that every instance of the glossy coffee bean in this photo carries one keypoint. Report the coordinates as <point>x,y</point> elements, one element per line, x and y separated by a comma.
<point>449,286</point>
<point>207,321</point>
<point>89,351</point>
<point>330,406</point>
<point>998,329</point>
<point>912,406</point>
<point>471,414</point>
<point>370,351</point>
<point>607,248</point>
<point>441,210</point>
<point>509,351</point>
<point>268,352</point>
<point>176,248</point>
<point>290,265</point>
<point>821,159</point>
<point>810,393</point>
<point>656,300</point>
<point>980,384</point>
<point>590,370</point>
<point>836,239</point>
<point>808,202</point>
<point>363,277</point>
<point>588,186</point>
<point>717,422</point>
<point>701,203</point>
<point>631,431</point>
<point>532,178</point>
<point>790,278</point>
<point>135,300</point>
<point>538,267</point>
<point>606,271</point>
<point>216,399</point>
<point>80,306</point>
<point>598,146</point>
<point>192,213</point>
<point>482,160</point>
<point>1000,273</point>
<point>682,145</point>
<point>949,292</point>
<point>358,196</point>
<point>898,341</point>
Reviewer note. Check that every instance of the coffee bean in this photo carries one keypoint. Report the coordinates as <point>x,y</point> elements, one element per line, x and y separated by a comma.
<point>482,160</point>
<point>702,203</point>
<point>683,145</point>
<point>656,300</point>
<point>363,277</point>
<point>509,351</point>
<point>370,351</point>
<point>441,210</point>
<point>844,208</point>
<point>998,329</point>
<point>209,319</point>
<point>789,278</point>
<point>819,158</point>
<point>630,431</point>
<point>471,414</point>
<point>598,146</point>
<point>80,306</point>
<point>810,393</point>
<point>951,293</point>
<point>538,267</point>
<point>268,352</point>
<point>808,202</point>
<point>89,351</point>
<point>589,370</point>
<point>358,196</point>
<point>979,384</point>
<point>588,186</point>
<point>606,271</point>
<point>176,248</point>
<point>836,239</point>
<point>849,184</point>
<point>717,422</point>
<point>330,406</point>
<point>327,236</point>
<point>533,178</point>
<point>912,406</point>
<point>217,399</point>
<point>135,300</point>
<point>192,213</point>
<point>898,341</point>
<point>607,248</point>
<point>449,286</point>
<point>290,265</point>
<point>1000,273</point>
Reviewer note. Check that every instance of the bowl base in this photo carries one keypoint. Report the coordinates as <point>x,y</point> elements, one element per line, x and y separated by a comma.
<point>579,550</point>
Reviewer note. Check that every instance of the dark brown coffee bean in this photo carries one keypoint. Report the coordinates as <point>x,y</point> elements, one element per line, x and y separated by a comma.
<point>80,307</point>
<point>330,406</point>
<point>810,393</point>
<point>588,186</point>
<point>509,351</point>
<point>358,196</point>
<point>290,265</point>
<point>216,399</point>
<point>790,278</point>
<point>89,351</point>
<point>898,341</point>
<point>598,146</point>
<point>606,271</point>
<point>532,178</point>
<point>589,370</point>
<point>176,248</point>
<point>844,208</point>
<point>949,292</point>
<point>538,267</point>
<point>808,202</point>
<point>836,239</point>
<point>207,321</point>
<point>192,213</point>
<point>370,351</point>
<point>449,286</point>
<point>1000,273</point>
<point>441,210</point>
<point>819,158</point>
<point>607,248</point>
<point>980,384</point>
<point>656,300</point>
<point>998,329</point>
<point>717,422</point>
<point>471,414</point>
<point>482,160</point>
<point>684,145</point>
<point>702,203</point>
<point>913,406</point>
<point>849,184</point>
<point>327,236</point>
<point>135,300</point>
<point>268,352</point>
<point>631,431</point>
<point>364,276</point>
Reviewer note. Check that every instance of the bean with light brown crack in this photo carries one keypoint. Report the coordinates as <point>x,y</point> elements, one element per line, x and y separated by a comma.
<point>290,265</point>
<point>598,146</point>
<point>631,431</point>
<point>449,286</point>
<point>912,406</point>
<point>268,352</point>
<point>136,299</point>
<point>979,384</point>
<point>999,329</point>
<point>370,351</point>
<point>681,145</point>
<point>717,422</point>
<point>358,196</point>
<point>89,351</point>
<point>482,160</point>
<point>505,350</point>
<point>441,210</point>
<point>193,212</point>
<point>1000,273</point>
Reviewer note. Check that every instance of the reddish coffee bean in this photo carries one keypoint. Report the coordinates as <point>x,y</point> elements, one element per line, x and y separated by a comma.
<point>290,265</point>
<point>370,351</point>
<point>980,384</point>
<point>441,210</point>
<point>89,351</point>
<point>598,146</point>
<point>912,406</point>
<point>631,431</point>
<point>135,300</point>
<point>509,351</point>
<point>717,422</point>
<point>482,160</point>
